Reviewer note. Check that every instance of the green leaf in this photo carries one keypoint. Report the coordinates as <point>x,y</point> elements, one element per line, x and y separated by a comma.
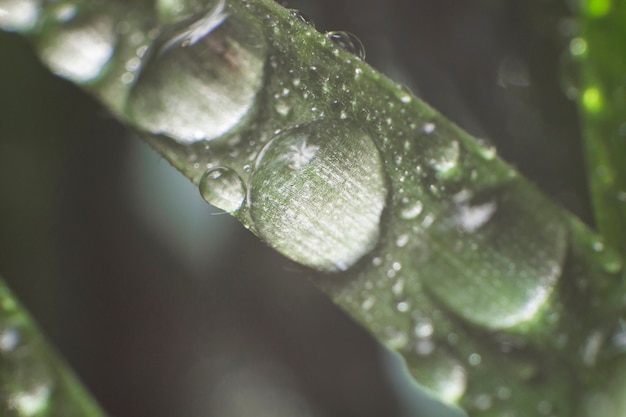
<point>602,102</point>
<point>497,299</point>
<point>34,381</point>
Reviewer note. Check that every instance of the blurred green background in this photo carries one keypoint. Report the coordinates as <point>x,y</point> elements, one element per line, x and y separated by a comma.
<point>166,307</point>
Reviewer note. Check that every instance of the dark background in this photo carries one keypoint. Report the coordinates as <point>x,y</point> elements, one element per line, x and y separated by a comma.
<point>166,308</point>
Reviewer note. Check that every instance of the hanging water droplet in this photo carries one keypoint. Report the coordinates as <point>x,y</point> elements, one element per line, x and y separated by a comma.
<point>79,50</point>
<point>441,372</point>
<point>511,261</point>
<point>201,80</point>
<point>428,128</point>
<point>18,15</point>
<point>348,42</point>
<point>223,188</point>
<point>318,192</point>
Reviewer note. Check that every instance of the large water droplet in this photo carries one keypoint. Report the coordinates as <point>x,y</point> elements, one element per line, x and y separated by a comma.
<point>440,372</point>
<point>18,15</point>
<point>507,261</point>
<point>223,188</point>
<point>202,79</point>
<point>318,192</point>
<point>80,49</point>
<point>348,42</point>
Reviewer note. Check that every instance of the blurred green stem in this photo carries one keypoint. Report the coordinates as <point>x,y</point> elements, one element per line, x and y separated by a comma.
<point>34,381</point>
<point>602,103</point>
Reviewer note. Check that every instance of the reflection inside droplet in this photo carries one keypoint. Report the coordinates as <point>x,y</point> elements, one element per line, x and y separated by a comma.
<point>317,200</point>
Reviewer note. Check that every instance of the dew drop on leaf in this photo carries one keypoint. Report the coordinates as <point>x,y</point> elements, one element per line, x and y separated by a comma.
<point>223,188</point>
<point>317,194</point>
<point>509,257</point>
<point>18,15</point>
<point>201,79</point>
<point>348,42</point>
<point>80,49</point>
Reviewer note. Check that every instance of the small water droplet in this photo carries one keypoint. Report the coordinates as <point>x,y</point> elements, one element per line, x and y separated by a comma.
<point>578,47</point>
<point>402,240</point>
<point>395,339</point>
<point>317,200</point>
<point>428,128</point>
<point>30,402</point>
<point>18,15</point>
<point>471,217</point>
<point>474,359</point>
<point>504,393</point>
<point>447,160</point>
<point>591,348</point>
<point>424,328</point>
<point>403,306</point>
<point>79,50</point>
<point>223,188</point>
<point>544,407</point>
<point>398,287</point>
<point>425,347</point>
<point>202,80</point>
<point>9,339</point>
<point>411,211</point>
<point>368,303</point>
<point>298,15</point>
<point>348,42</point>
<point>483,402</point>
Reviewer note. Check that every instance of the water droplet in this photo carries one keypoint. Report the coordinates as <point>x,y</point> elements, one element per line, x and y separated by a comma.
<point>578,47</point>
<point>440,372</point>
<point>428,128</point>
<point>348,42</point>
<point>368,303</point>
<point>395,339</point>
<point>411,211</point>
<point>474,359</point>
<point>80,49</point>
<point>403,306</point>
<point>483,402</point>
<point>402,240</point>
<point>504,393</point>
<point>222,188</point>
<point>424,328</point>
<point>398,287</point>
<point>201,80</point>
<point>298,15</point>
<point>18,15</point>
<point>447,160</point>
<point>499,279</point>
<point>318,192</point>
<point>544,407</point>
<point>9,339</point>
<point>471,217</point>
<point>31,402</point>
<point>591,348</point>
